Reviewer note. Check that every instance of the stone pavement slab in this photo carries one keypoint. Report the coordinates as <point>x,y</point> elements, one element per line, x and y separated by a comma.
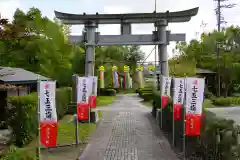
<point>128,132</point>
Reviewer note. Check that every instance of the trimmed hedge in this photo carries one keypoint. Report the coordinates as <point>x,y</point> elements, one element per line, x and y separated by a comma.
<point>206,146</point>
<point>228,101</point>
<point>145,93</point>
<point>23,114</point>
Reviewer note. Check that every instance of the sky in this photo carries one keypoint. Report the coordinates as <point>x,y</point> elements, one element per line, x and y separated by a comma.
<point>193,29</point>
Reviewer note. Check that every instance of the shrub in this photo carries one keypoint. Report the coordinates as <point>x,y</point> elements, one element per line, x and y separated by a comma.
<point>144,91</point>
<point>107,92</point>
<point>23,114</point>
<point>125,91</point>
<point>228,101</point>
<point>147,96</point>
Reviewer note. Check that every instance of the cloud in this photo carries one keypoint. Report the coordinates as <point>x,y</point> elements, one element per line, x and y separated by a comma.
<point>8,7</point>
<point>206,14</point>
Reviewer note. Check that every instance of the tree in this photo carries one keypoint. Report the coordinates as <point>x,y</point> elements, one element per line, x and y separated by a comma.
<point>203,53</point>
<point>40,45</point>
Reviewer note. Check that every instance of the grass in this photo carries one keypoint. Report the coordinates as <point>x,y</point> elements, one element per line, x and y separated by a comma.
<point>105,100</point>
<point>207,103</point>
<point>66,136</point>
<point>67,130</point>
<point>100,114</point>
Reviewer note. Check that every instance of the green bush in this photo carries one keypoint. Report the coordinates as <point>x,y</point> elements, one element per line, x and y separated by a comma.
<point>107,92</point>
<point>125,91</point>
<point>145,91</point>
<point>23,114</point>
<point>147,96</point>
<point>228,101</point>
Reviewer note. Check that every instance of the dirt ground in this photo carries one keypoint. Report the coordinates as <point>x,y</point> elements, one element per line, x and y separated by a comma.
<point>63,153</point>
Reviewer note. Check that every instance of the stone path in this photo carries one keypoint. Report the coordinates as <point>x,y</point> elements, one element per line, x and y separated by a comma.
<point>127,132</point>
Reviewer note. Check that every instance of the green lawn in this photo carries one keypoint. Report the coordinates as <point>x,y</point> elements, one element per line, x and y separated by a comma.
<point>105,100</point>
<point>66,133</point>
<point>207,103</point>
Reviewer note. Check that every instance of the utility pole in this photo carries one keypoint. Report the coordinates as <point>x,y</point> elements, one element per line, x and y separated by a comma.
<point>220,20</point>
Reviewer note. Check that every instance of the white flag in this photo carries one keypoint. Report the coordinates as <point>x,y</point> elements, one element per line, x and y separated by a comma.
<point>93,80</point>
<point>47,103</point>
<point>82,89</point>
<point>165,86</point>
<point>194,95</point>
<point>178,90</point>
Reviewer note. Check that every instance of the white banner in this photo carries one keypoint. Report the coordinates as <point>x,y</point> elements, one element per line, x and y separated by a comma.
<point>47,102</point>
<point>165,86</point>
<point>82,89</point>
<point>93,87</point>
<point>194,95</point>
<point>178,90</point>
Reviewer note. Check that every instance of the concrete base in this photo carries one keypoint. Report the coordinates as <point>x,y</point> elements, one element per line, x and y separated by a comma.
<point>94,118</point>
<point>158,115</point>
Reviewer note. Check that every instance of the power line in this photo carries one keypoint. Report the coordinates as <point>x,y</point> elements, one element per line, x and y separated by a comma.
<point>148,55</point>
<point>220,20</point>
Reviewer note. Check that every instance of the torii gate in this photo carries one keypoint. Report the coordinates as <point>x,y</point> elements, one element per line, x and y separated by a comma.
<point>161,37</point>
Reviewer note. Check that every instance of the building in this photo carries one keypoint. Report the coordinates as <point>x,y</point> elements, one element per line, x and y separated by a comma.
<point>15,82</point>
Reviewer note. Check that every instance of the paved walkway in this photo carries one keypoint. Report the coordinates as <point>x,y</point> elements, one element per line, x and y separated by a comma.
<point>128,132</point>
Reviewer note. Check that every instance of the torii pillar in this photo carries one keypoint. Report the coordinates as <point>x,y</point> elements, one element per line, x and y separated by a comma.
<point>90,49</point>
<point>162,48</point>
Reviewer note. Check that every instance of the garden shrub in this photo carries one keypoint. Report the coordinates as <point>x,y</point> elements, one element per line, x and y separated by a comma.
<point>107,92</point>
<point>147,96</point>
<point>23,114</point>
<point>228,101</point>
<point>145,91</point>
<point>125,91</point>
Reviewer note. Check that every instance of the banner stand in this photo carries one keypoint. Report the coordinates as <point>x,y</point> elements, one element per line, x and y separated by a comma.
<point>184,119</point>
<point>161,124</point>
<point>173,124</point>
<point>173,128</point>
<point>76,117</point>
<point>38,155</point>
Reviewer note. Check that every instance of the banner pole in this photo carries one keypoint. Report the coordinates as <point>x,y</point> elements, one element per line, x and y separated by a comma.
<point>161,102</point>
<point>173,124</point>
<point>184,120</point>
<point>76,117</point>
<point>38,115</point>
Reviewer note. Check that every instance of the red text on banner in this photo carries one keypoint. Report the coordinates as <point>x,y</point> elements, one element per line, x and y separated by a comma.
<point>177,111</point>
<point>48,131</point>
<point>164,101</point>
<point>83,111</point>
